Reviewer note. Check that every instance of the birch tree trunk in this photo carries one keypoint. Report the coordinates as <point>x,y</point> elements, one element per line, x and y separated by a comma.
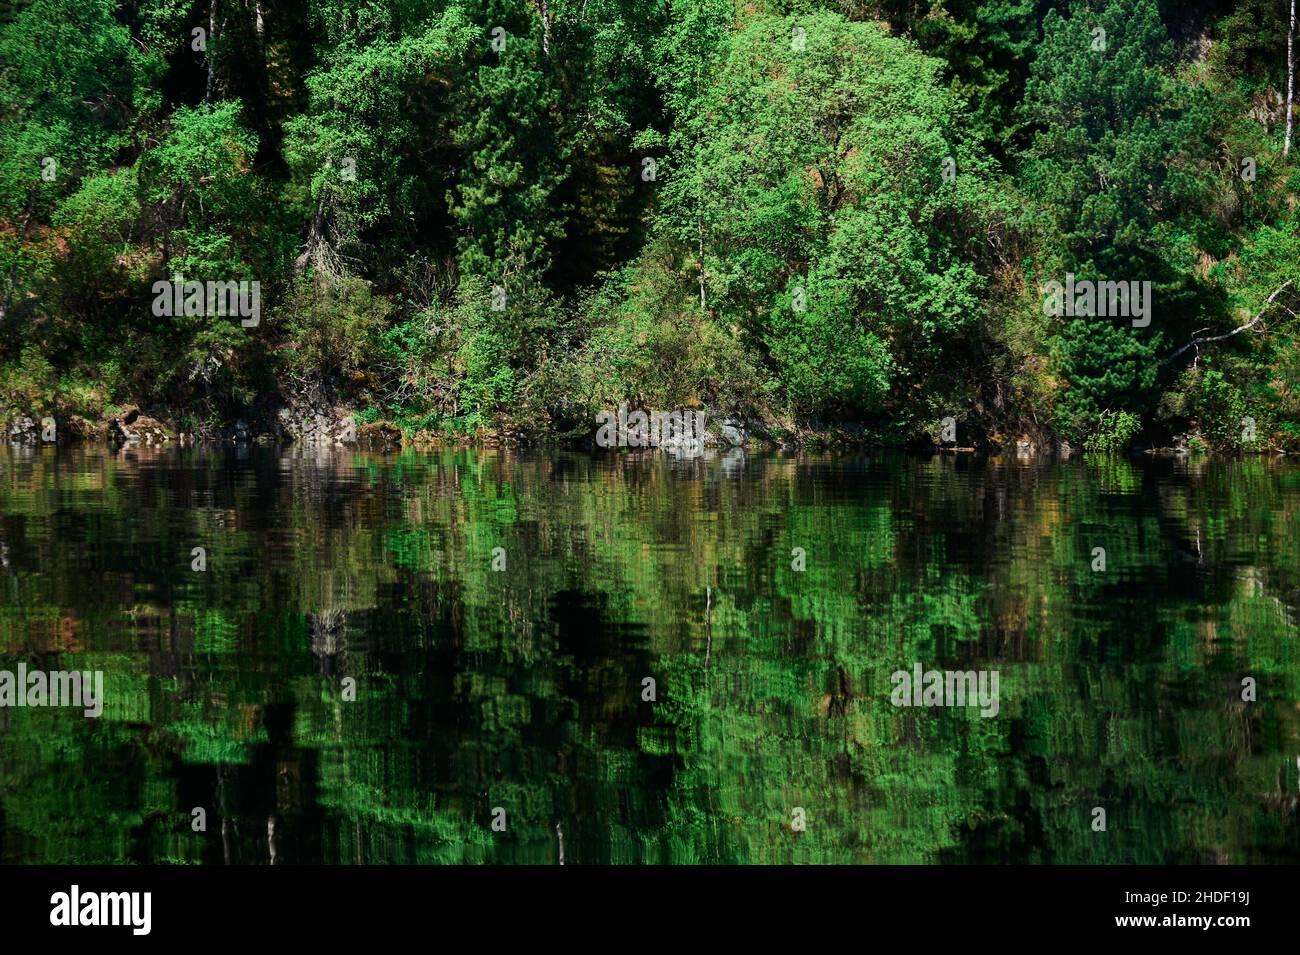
<point>699,262</point>
<point>207,53</point>
<point>1290,77</point>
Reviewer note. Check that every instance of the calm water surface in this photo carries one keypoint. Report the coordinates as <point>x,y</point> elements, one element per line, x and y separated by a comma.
<point>521,689</point>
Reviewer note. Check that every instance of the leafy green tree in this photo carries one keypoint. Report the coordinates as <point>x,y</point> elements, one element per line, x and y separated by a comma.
<point>65,93</point>
<point>986,46</point>
<point>378,103</point>
<point>1118,162</point>
<point>831,234</point>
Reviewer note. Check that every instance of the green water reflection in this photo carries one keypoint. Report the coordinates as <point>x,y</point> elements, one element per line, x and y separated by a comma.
<point>522,688</point>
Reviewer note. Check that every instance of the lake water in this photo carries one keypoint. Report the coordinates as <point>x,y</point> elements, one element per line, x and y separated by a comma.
<point>359,675</point>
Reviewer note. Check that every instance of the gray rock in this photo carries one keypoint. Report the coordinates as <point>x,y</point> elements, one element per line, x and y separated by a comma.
<point>24,430</point>
<point>732,432</point>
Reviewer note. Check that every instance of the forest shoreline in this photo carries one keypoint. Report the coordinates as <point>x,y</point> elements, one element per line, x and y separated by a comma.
<point>1075,229</point>
<point>360,429</point>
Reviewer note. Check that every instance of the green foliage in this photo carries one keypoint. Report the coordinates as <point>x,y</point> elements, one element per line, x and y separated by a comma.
<point>809,214</point>
<point>64,95</point>
<point>1113,432</point>
<point>506,331</point>
<point>201,174</point>
<point>365,152</point>
<point>29,380</point>
<point>651,310</point>
<point>986,47</point>
<point>830,236</point>
<point>334,332</point>
<point>505,202</point>
<point>1119,161</point>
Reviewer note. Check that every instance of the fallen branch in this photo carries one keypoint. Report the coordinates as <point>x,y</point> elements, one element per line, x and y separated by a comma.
<point>1236,331</point>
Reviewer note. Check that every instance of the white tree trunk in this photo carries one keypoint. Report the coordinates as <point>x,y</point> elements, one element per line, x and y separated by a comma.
<point>1290,77</point>
<point>699,262</point>
<point>546,28</point>
<point>207,52</point>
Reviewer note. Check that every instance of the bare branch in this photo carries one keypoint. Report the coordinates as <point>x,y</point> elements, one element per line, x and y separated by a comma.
<point>1236,331</point>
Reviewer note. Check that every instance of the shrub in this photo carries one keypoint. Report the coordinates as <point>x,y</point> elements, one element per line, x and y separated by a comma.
<point>1113,432</point>
<point>335,335</point>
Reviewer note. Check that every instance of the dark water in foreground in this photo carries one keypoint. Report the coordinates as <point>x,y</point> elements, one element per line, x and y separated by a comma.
<point>522,688</point>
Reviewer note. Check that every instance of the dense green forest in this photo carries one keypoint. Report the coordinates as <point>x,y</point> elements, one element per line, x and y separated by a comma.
<point>488,217</point>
